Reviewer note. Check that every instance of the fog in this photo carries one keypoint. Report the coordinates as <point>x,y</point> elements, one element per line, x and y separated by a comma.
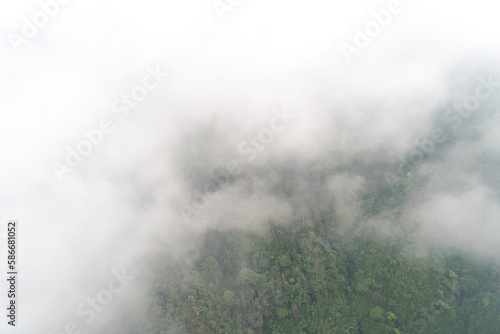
<point>143,189</point>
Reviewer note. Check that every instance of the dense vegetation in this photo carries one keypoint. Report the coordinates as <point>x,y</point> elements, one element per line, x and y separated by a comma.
<point>293,281</point>
<point>315,274</point>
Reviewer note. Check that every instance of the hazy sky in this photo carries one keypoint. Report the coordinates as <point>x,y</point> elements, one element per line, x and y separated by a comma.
<point>207,86</point>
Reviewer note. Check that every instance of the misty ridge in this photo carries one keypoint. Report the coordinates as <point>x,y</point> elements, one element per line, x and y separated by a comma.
<point>248,167</point>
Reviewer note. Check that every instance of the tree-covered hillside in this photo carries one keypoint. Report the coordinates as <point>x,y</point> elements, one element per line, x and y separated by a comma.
<point>318,274</point>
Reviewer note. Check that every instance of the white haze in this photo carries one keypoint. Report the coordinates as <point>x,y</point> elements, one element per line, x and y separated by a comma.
<point>225,79</point>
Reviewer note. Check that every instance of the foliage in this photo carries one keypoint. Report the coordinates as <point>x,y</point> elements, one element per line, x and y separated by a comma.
<point>314,274</point>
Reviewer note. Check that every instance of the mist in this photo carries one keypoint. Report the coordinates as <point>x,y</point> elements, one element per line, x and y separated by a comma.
<point>232,100</point>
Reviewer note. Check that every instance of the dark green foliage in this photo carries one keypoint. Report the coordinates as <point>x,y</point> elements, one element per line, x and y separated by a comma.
<point>291,281</point>
<point>317,275</point>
